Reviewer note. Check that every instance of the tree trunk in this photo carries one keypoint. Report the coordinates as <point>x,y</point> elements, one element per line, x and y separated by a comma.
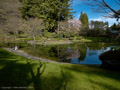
<point>58,51</point>
<point>58,28</point>
<point>34,38</point>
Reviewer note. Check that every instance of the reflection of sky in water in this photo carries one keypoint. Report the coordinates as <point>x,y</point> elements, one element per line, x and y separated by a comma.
<point>92,57</point>
<point>69,49</point>
<point>78,53</point>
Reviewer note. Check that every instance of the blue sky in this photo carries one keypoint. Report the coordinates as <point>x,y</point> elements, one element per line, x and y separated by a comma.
<point>79,5</point>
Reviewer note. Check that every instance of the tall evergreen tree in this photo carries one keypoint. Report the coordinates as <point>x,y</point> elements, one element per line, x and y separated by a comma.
<point>50,11</point>
<point>84,19</point>
<point>114,26</point>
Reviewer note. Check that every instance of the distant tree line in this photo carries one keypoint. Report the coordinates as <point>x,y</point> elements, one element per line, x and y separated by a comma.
<point>92,28</point>
<point>99,25</point>
<point>115,27</point>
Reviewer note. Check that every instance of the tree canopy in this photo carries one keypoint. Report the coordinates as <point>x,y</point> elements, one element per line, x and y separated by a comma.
<point>51,11</point>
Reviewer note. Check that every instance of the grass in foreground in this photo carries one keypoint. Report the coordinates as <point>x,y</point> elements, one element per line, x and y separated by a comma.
<point>18,72</point>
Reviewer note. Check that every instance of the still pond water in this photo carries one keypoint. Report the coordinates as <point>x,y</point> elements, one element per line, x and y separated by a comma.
<point>78,53</point>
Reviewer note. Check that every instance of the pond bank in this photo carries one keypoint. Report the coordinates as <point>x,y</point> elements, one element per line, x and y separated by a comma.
<point>51,42</point>
<point>24,54</point>
<point>32,57</point>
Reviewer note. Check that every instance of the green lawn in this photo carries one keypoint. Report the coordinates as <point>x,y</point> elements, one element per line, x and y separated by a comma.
<point>100,39</point>
<point>18,72</point>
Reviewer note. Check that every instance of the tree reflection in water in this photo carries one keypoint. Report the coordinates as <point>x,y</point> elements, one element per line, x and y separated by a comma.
<point>68,56</point>
<point>80,53</point>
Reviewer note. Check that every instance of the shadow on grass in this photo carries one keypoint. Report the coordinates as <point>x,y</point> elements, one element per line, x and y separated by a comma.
<point>36,77</point>
<point>65,77</point>
<point>15,73</point>
<point>20,73</point>
<point>12,73</point>
<point>92,71</point>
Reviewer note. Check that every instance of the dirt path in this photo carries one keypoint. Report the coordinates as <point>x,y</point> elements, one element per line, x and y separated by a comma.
<point>24,54</point>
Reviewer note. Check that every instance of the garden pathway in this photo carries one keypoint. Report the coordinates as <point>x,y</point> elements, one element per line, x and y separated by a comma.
<point>24,54</point>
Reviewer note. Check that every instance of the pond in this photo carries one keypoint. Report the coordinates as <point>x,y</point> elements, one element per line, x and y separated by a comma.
<point>78,53</point>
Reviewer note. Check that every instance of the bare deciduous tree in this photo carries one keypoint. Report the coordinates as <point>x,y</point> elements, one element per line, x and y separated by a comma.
<point>13,25</point>
<point>102,6</point>
<point>70,26</point>
<point>33,27</point>
<point>9,19</point>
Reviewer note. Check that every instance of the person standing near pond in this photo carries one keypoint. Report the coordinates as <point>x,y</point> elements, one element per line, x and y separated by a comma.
<point>15,48</point>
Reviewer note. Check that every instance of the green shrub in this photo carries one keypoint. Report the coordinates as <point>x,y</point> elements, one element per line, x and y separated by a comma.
<point>112,56</point>
<point>58,35</point>
<point>68,35</point>
<point>48,34</point>
<point>75,38</point>
<point>111,59</point>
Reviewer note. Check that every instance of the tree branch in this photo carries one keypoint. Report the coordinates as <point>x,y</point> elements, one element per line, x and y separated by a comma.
<point>110,8</point>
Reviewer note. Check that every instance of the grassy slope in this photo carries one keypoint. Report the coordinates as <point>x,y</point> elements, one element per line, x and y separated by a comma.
<point>18,71</point>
